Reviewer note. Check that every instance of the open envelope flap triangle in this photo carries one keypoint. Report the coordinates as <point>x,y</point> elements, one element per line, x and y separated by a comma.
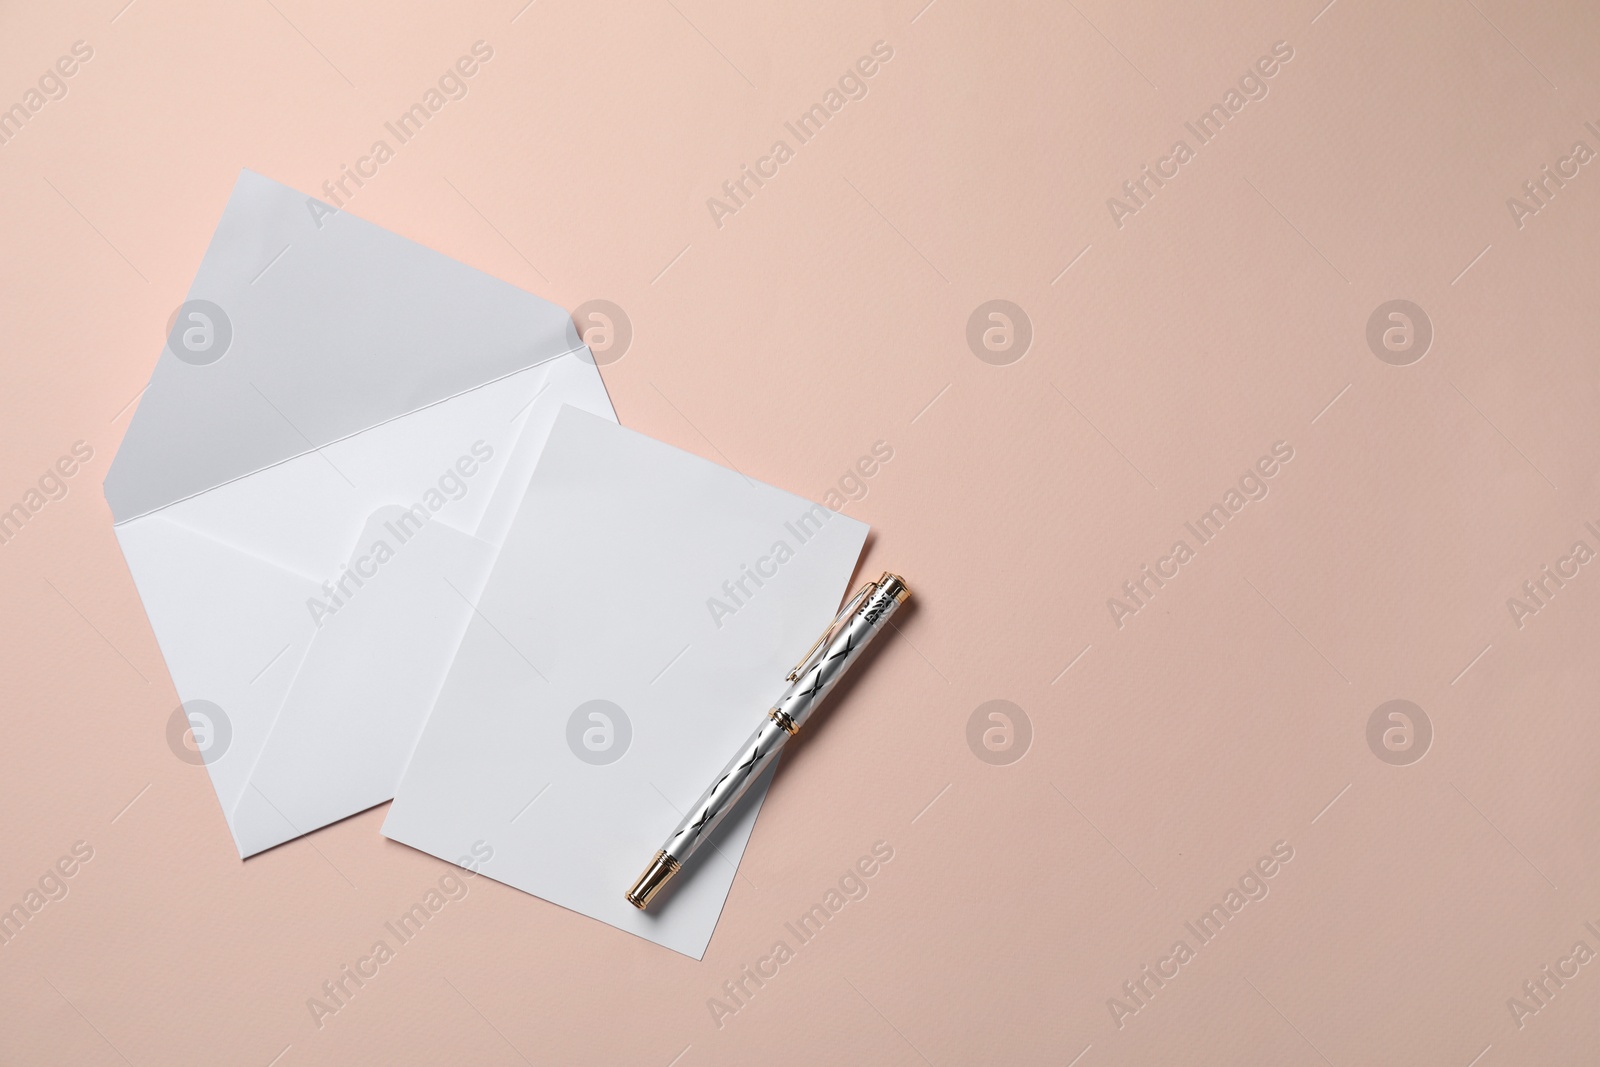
<point>382,327</point>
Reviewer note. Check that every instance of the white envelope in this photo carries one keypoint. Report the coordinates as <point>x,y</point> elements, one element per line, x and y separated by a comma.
<point>314,487</point>
<point>638,624</point>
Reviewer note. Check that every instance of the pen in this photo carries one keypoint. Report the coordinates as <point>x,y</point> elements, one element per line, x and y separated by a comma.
<point>840,644</point>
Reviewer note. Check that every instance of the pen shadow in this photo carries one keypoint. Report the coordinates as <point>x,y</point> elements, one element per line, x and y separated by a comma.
<point>793,752</point>
<point>712,854</point>
<point>798,750</point>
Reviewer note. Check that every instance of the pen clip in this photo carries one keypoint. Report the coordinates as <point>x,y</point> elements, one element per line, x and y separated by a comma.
<point>844,613</point>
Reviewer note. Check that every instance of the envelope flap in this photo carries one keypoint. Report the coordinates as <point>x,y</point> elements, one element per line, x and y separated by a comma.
<point>304,326</point>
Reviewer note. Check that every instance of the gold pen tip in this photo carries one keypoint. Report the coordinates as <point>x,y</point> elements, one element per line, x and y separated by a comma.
<point>660,871</point>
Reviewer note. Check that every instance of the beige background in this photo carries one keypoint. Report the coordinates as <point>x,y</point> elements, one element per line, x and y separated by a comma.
<point>827,314</point>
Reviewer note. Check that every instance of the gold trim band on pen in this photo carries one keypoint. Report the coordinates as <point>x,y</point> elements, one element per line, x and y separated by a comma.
<point>658,874</point>
<point>782,719</point>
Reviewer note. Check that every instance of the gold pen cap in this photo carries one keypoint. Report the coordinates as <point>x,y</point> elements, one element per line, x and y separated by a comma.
<point>895,586</point>
<point>660,871</point>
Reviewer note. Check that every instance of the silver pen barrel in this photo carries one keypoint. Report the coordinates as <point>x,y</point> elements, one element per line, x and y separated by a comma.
<point>810,682</point>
